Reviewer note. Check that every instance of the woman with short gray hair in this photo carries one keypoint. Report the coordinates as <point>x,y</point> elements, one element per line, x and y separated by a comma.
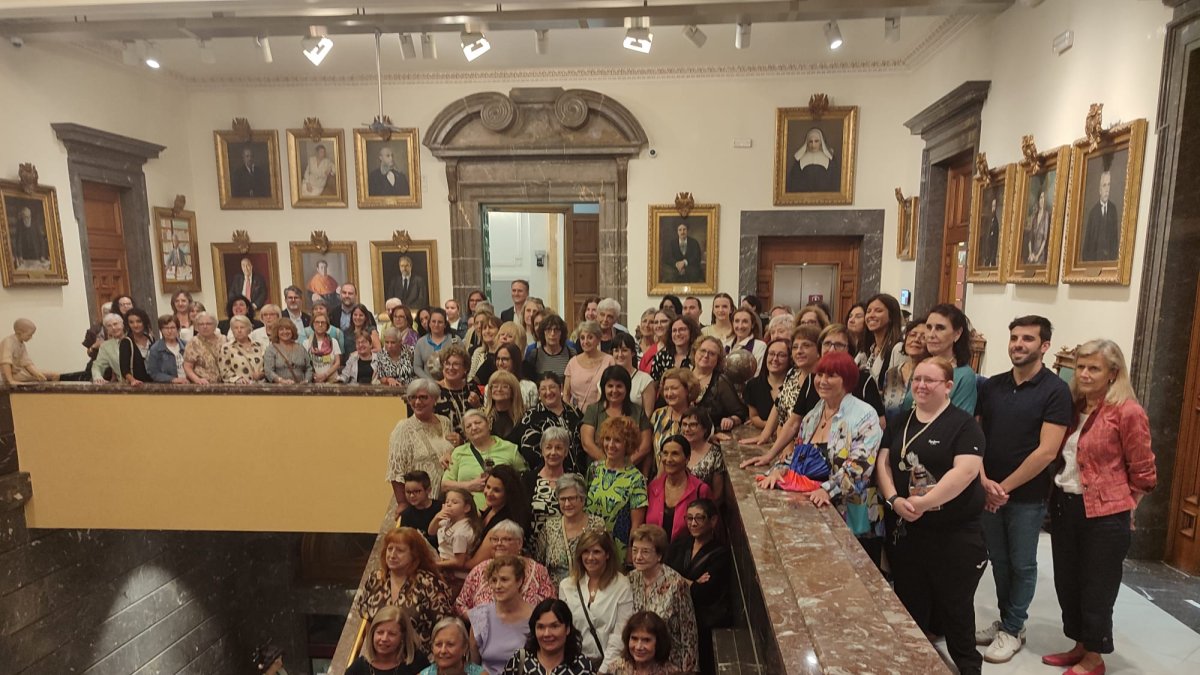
<point>241,357</point>
<point>202,356</point>
<point>558,537</point>
<point>539,484</point>
<point>418,443</point>
<point>393,364</point>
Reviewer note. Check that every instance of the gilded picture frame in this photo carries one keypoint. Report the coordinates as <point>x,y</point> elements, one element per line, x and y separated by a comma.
<point>990,210</point>
<point>397,187</point>
<point>178,251</point>
<point>229,278</point>
<point>907,218</point>
<point>317,169</point>
<point>1033,242</point>
<point>1100,239</point>
<point>339,260</point>
<point>819,175</point>
<point>242,183</point>
<point>30,226</point>
<point>673,266</point>
<point>385,270</point>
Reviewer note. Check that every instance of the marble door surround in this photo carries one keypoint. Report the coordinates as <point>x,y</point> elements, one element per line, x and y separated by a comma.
<point>536,145</point>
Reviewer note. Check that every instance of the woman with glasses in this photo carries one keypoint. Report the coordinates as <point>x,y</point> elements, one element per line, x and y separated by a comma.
<point>763,390</point>
<point>419,442</point>
<point>540,484</point>
<point>717,394</point>
<point>660,589</point>
<point>553,351</point>
<point>797,396</point>
<point>559,537</point>
<point>677,352</point>
<point>457,394</point>
<point>928,471</point>
<point>707,460</point>
<point>707,565</point>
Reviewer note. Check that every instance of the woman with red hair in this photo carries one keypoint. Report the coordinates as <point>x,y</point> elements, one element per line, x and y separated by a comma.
<point>844,431</point>
<point>407,577</point>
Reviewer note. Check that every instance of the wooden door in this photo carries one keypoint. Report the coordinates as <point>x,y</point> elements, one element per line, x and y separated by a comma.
<point>841,252</point>
<point>106,241</point>
<point>1183,544</point>
<point>953,285</point>
<point>582,265</point>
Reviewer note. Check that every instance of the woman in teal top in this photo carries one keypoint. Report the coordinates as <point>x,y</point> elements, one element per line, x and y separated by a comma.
<point>450,649</point>
<point>948,335</point>
<point>470,461</point>
<point>616,489</point>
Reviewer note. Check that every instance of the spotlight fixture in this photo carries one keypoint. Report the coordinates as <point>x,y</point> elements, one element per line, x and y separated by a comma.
<point>428,46</point>
<point>152,56</point>
<point>316,45</point>
<point>541,41</point>
<point>207,55</point>
<point>474,45</point>
<point>639,39</point>
<point>407,50</point>
<point>833,35</point>
<point>264,48</point>
<point>696,35</point>
<point>129,53</point>
<point>891,29</point>
<point>741,38</point>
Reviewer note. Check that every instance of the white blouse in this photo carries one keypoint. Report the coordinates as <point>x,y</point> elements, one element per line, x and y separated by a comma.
<point>1068,478</point>
<point>609,610</point>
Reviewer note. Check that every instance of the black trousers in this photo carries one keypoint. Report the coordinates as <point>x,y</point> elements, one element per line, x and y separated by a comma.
<point>936,573</point>
<point>1088,557</point>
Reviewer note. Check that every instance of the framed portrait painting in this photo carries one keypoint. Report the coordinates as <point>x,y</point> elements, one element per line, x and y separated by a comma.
<point>175,241</point>
<point>683,249</point>
<point>320,268</point>
<point>317,168</point>
<point>814,155</point>
<point>1033,242</point>
<point>990,201</point>
<point>251,270</point>
<point>30,237</point>
<point>248,170</point>
<point>388,171</point>
<point>1106,185</point>
<point>405,269</point>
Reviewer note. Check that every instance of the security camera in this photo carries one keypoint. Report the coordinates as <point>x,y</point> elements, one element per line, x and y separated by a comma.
<point>17,42</point>
<point>653,152</point>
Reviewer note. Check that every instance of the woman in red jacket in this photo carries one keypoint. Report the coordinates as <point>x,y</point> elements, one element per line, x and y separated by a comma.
<point>1105,467</point>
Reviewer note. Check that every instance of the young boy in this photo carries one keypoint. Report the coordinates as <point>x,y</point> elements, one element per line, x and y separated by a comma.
<point>422,508</point>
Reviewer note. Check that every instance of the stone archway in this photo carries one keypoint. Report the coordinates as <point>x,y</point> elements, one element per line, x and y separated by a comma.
<point>536,145</point>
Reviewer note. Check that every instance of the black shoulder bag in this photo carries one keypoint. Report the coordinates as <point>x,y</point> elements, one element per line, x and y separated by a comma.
<point>591,627</point>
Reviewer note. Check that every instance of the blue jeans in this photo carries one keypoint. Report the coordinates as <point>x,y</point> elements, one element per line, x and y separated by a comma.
<point>1011,535</point>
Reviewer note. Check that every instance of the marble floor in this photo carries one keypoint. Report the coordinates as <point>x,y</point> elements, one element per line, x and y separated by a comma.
<point>1148,639</point>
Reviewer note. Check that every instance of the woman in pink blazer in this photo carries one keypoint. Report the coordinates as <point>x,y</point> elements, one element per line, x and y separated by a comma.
<point>674,489</point>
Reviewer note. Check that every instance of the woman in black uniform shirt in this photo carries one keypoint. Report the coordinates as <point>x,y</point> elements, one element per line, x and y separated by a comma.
<point>928,472</point>
<point>763,390</point>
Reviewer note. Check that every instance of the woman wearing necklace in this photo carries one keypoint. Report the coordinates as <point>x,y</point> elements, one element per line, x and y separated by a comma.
<point>285,360</point>
<point>929,468</point>
<point>432,343</point>
<point>897,379</point>
<point>392,646</point>
<point>707,461</point>
<point>881,336</point>
<point>797,396</point>
<point>135,347</point>
<point>549,412</point>
<point>553,646</point>
<point>457,395</point>
<point>763,390</point>
<point>559,538</point>
<point>500,627</point>
<point>407,577</point>
<point>707,565</point>
<point>677,352</point>
<point>845,431</point>
<point>674,489</point>
<point>722,313</point>
<point>717,395</point>
<point>615,386</point>
<point>582,375</point>
<point>599,596</point>
<point>420,441</point>
<point>1107,448</point>
<point>948,335</point>
<point>679,390</point>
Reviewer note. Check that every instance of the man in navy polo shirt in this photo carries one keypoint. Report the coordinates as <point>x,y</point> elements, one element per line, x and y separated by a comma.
<point>1024,413</point>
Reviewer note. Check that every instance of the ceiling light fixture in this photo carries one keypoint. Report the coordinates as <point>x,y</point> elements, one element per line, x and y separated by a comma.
<point>129,52</point>
<point>541,41</point>
<point>264,48</point>
<point>741,38</point>
<point>638,38</point>
<point>696,35</point>
<point>407,49</point>
<point>474,45</point>
<point>833,35</point>
<point>891,29</point>
<point>428,46</point>
<point>152,56</point>
<point>207,55</point>
<point>317,45</point>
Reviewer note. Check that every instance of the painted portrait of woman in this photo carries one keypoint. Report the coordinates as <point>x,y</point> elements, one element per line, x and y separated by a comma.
<point>815,167</point>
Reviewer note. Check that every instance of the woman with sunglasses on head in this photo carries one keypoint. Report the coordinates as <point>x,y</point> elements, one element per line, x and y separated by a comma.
<point>898,377</point>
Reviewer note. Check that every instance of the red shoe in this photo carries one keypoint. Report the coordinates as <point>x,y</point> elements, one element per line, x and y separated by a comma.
<point>1098,670</point>
<point>1062,660</point>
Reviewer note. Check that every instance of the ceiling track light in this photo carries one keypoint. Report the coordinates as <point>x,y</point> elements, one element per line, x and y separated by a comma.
<point>891,29</point>
<point>638,38</point>
<point>407,49</point>
<point>207,55</point>
<point>264,47</point>
<point>428,46</point>
<point>697,36</point>
<point>833,35</point>
<point>541,41</point>
<point>474,45</point>
<point>317,45</point>
<point>741,38</point>
<point>153,59</point>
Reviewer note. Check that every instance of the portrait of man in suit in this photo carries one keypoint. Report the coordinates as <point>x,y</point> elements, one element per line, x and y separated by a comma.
<point>386,179</point>
<point>250,175</point>
<point>989,238</point>
<point>27,234</point>
<point>249,283</point>
<point>682,254</point>
<point>1102,229</point>
<point>410,287</point>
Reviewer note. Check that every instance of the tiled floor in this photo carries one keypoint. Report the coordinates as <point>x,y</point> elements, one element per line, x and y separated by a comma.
<point>1148,639</point>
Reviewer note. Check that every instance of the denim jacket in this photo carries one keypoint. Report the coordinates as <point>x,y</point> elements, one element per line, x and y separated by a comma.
<point>160,363</point>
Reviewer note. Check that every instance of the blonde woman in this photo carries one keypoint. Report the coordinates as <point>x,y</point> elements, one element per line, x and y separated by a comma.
<point>392,645</point>
<point>582,376</point>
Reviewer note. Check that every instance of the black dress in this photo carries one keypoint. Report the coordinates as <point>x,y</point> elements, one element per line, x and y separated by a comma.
<point>712,599</point>
<point>362,667</point>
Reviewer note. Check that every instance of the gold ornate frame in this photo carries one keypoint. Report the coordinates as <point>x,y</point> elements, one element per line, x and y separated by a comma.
<point>167,217</point>
<point>362,167</point>
<point>846,146</point>
<point>1037,164</point>
<point>56,273</point>
<point>221,140</point>
<point>241,246</point>
<point>907,218</point>
<point>401,243</point>
<point>319,244</point>
<point>1132,137</point>
<point>332,137</point>
<point>709,216</point>
<point>1004,176</point>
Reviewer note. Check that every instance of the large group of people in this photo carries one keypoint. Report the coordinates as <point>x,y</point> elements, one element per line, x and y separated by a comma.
<point>559,493</point>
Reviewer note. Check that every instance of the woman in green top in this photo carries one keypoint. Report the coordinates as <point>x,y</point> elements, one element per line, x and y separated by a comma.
<point>948,335</point>
<point>616,489</point>
<point>615,385</point>
<point>471,461</point>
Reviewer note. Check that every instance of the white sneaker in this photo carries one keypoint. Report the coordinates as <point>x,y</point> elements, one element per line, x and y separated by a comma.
<point>1004,647</point>
<point>985,635</point>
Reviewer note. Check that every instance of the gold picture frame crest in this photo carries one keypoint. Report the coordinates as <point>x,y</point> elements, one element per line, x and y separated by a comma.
<point>794,184</point>
<point>662,216</point>
<point>42,202</point>
<point>1033,241</point>
<point>986,239</point>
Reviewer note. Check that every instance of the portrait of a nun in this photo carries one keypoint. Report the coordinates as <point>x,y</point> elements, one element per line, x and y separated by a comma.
<point>815,168</point>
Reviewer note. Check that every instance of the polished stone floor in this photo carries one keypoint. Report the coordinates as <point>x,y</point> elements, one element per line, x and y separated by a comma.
<point>1148,639</point>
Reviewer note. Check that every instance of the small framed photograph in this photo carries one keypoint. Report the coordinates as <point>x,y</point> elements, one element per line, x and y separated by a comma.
<point>388,171</point>
<point>906,231</point>
<point>814,155</point>
<point>30,237</point>
<point>1033,242</point>
<point>251,270</point>
<point>248,170</point>
<point>1106,184</point>
<point>317,168</point>
<point>683,249</point>
<point>990,202</point>
<point>406,269</point>
<point>320,269</point>
<point>175,241</point>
